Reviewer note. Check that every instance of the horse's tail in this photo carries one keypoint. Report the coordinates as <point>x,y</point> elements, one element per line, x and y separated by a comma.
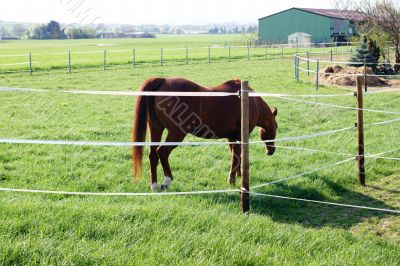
<point>142,112</point>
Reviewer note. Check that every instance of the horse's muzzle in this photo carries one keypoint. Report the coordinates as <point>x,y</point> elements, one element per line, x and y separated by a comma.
<point>270,150</point>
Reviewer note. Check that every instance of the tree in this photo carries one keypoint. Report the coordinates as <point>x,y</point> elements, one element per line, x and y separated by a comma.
<point>19,30</point>
<point>50,31</point>
<point>54,30</point>
<point>383,17</point>
<point>4,32</point>
<point>40,33</point>
<point>368,51</point>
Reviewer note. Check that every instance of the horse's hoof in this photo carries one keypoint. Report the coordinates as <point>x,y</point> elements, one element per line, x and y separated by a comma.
<point>231,181</point>
<point>155,186</point>
<point>167,183</point>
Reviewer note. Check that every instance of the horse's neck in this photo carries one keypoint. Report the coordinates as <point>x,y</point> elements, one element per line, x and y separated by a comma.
<point>263,113</point>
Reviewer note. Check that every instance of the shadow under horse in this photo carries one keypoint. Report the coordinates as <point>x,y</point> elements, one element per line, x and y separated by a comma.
<point>204,117</point>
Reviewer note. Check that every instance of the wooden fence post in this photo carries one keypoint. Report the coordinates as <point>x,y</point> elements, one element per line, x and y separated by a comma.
<point>30,64</point>
<point>69,61</point>
<point>248,53</point>
<point>161,56</point>
<point>133,57</point>
<point>105,59</point>
<point>360,127</point>
<point>331,55</point>
<point>245,186</point>
<point>209,54</point>
<point>365,75</point>
<point>317,76</point>
<point>187,55</point>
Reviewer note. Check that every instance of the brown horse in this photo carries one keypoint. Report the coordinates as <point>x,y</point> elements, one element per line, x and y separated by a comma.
<point>204,117</point>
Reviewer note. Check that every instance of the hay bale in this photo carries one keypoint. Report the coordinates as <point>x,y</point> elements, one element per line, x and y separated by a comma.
<point>337,75</point>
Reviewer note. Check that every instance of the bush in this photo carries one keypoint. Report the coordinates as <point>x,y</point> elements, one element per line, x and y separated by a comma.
<point>368,51</point>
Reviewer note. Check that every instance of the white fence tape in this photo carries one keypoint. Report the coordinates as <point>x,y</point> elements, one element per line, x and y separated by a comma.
<point>110,143</point>
<point>342,63</point>
<point>311,136</point>
<point>118,194</point>
<point>313,150</point>
<point>18,64</point>
<point>340,106</point>
<point>302,174</point>
<point>326,203</point>
<point>156,144</point>
<point>194,94</point>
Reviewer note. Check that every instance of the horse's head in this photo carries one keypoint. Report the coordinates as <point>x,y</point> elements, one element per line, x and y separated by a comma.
<point>268,131</point>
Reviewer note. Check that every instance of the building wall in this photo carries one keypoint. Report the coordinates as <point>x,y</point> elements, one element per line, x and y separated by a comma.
<point>277,28</point>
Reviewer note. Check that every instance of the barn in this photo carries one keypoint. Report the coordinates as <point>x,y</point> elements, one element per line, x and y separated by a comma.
<point>323,25</point>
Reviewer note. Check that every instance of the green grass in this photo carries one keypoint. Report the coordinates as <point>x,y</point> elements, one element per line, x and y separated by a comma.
<point>53,54</point>
<point>43,229</point>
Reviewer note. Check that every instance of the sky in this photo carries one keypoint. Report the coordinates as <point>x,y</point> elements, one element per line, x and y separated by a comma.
<point>172,12</point>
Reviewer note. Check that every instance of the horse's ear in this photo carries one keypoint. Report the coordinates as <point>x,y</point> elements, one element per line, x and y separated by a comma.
<point>275,112</point>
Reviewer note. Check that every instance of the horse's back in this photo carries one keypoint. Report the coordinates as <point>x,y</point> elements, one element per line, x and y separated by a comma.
<point>219,115</point>
<point>182,84</point>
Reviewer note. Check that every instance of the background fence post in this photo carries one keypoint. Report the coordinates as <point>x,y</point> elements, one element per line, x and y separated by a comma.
<point>161,56</point>
<point>282,51</point>
<point>209,54</point>
<point>308,63</point>
<point>295,65</point>
<point>266,52</point>
<point>133,57</point>
<point>229,54</point>
<point>187,55</point>
<point>248,53</point>
<point>30,64</point>
<point>245,186</point>
<point>331,55</point>
<point>69,61</point>
<point>105,59</point>
<point>317,76</point>
<point>360,127</point>
<point>365,75</point>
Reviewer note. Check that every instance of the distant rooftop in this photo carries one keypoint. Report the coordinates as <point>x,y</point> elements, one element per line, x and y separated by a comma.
<point>332,13</point>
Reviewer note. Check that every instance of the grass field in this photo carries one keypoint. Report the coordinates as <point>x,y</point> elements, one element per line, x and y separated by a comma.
<point>190,230</point>
<point>53,54</point>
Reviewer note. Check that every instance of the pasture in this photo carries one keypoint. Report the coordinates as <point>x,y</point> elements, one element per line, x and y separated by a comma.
<point>199,229</point>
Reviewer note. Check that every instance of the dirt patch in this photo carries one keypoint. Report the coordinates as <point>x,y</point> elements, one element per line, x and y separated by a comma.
<point>338,75</point>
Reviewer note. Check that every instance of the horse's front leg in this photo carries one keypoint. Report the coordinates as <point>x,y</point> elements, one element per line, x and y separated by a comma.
<point>164,152</point>
<point>153,157</point>
<point>235,160</point>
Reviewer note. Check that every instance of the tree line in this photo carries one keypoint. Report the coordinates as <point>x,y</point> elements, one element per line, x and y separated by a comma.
<point>235,30</point>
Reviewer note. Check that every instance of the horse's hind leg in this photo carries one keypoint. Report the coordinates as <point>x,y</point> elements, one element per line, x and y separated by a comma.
<point>155,136</point>
<point>164,152</point>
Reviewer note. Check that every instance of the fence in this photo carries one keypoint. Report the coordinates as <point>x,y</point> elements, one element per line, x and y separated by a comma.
<point>313,69</point>
<point>246,191</point>
<point>131,58</point>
